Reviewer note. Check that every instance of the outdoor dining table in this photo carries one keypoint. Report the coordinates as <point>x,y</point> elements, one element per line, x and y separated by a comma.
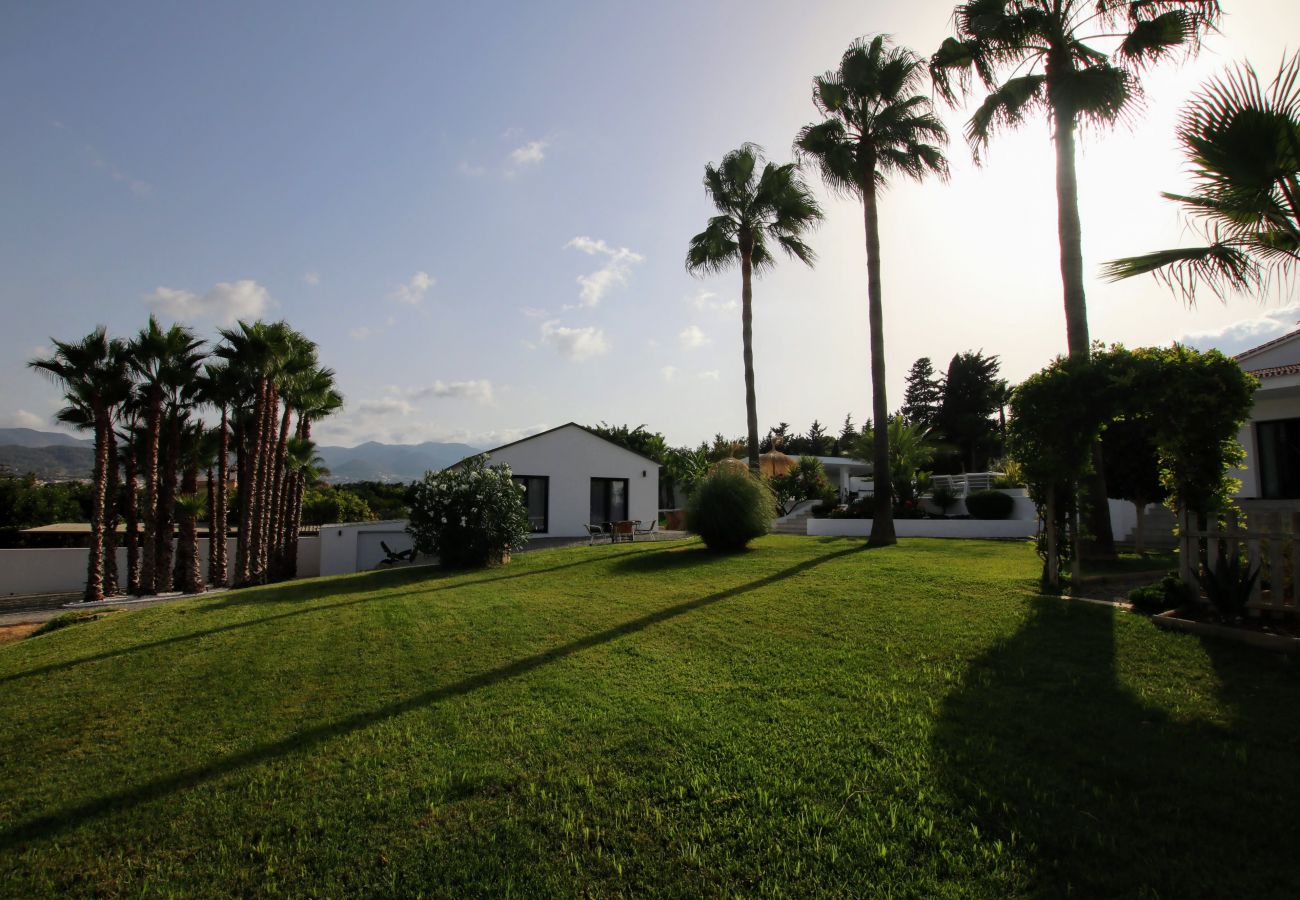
<point>622,531</point>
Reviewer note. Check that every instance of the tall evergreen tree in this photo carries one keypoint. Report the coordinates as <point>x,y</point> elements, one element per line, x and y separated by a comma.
<point>972,396</point>
<point>923,394</point>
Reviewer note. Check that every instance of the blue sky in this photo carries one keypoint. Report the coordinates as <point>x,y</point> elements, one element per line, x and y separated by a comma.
<point>480,211</point>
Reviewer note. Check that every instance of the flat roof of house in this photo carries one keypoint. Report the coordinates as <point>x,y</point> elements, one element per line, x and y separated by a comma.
<point>530,437</point>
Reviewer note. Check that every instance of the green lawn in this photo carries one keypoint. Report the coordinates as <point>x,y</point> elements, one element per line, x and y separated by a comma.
<point>805,718</point>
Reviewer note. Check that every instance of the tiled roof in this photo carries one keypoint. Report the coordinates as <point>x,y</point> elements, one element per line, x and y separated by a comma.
<point>1244,354</point>
<point>1275,371</point>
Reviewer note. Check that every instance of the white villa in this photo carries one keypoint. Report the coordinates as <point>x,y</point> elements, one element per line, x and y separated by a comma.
<point>573,477</point>
<point>1272,435</point>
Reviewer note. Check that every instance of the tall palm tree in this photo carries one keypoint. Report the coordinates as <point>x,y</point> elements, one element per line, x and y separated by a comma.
<point>93,375</point>
<point>876,126</point>
<point>220,386</point>
<point>156,355</point>
<point>1243,144</point>
<point>1050,51</point>
<point>757,212</point>
<point>1056,68</point>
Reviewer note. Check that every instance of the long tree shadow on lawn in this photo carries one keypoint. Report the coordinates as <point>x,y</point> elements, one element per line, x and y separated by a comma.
<point>54,823</point>
<point>410,582</point>
<point>1096,793</point>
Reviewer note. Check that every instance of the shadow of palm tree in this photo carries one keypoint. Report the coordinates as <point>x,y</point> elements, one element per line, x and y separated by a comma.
<point>1104,794</point>
<point>408,581</point>
<point>53,823</point>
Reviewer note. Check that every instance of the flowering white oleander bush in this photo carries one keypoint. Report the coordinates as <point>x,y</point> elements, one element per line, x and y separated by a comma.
<point>469,517</point>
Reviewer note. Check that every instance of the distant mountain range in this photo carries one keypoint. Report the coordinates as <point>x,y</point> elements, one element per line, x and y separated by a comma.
<point>53,456</point>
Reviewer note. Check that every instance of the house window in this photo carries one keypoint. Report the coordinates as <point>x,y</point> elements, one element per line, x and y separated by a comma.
<point>536,499</point>
<point>608,500</point>
<point>1279,458</point>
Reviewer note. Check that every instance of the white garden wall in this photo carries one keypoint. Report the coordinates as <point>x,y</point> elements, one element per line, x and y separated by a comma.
<point>937,528</point>
<point>355,547</point>
<point>58,570</point>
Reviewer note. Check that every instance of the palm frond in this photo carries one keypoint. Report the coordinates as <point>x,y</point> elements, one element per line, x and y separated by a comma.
<point>1221,267</point>
<point>1005,107</point>
<point>713,250</point>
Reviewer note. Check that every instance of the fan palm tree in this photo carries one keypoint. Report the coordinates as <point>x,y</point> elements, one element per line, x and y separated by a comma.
<point>93,375</point>
<point>757,213</point>
<point>221,387</point>
<point>876,126</point>
<point>1243,144</point>
<point>158,357</point>
<point>1056,68</point>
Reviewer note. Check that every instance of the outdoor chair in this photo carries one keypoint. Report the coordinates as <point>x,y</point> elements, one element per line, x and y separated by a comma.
<point>646,531</point>
<point>595,531</point>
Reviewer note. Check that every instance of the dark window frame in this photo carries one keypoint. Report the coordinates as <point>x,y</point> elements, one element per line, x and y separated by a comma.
<point>1265,463</point>
<point>627,498</point>
<point>546,513</point>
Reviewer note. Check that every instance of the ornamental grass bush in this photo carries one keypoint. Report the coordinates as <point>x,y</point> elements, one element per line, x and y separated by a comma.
<point>729,509</point>
<point>469,517</point>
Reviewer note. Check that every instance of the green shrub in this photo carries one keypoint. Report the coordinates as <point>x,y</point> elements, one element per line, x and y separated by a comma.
<point>1168,593</point>
<point>729,509</point>
<point>75,617</point>
<point>470,516</point>
<point>945,498</point>
<point>1228,585</point>
<point>989,505</point>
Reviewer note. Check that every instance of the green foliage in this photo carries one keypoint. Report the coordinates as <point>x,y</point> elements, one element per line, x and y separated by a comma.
<point>909,450</point>
<point>469,516</point>
<point>74,617</point>
<point>730,509</point>
<point>806,480</point>
<point>923,394</point>
<point>25,503</point>
<point>863,507</point>
<point>989,505</point>
<point>326,505</point>
<point>967,415</point>
<point>1132,461</point>
<point>945,498</point>
<point>638,440</point>
<point>386,501</point>
<point>686,467</point>
<point>1168,593</point>
<point>1227,585</point>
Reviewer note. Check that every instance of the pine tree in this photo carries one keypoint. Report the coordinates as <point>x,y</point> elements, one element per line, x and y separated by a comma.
<point>924,394</point>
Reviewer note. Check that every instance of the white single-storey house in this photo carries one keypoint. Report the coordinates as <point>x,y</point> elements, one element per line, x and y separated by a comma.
<point>847,475</point>
<point>1272,435</point>
<point>573,477</point>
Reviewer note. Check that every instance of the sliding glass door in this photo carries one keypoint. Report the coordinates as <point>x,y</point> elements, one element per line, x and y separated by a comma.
<point>536,498</point>
<point>608,500</point>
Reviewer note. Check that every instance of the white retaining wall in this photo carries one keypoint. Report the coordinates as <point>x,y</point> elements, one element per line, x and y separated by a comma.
<point>59,570</point>
<point>355,546</point>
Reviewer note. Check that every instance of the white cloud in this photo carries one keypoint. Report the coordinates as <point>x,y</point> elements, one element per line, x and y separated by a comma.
<point>530,154</point>
<point>478,390</point>
<point>668,372</point>
<point>533,312</point>
<point>387,406</point>
<point>576,344</point>
<point>692,338</point>
<point>414,290</point>
<point>708,300</point>
<point>226,303</point>
<point>1246,333</point>
<point>710,375</point>
<point>360,334</point>
<point>470,170</point>
<point>618,264</point>
<point>311,278</point>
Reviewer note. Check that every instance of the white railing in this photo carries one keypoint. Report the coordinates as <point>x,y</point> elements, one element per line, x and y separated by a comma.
<point>961,485</point>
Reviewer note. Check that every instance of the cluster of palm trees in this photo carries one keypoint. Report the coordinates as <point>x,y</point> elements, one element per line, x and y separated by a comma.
<point>1033,56</point>
<point>166,415</point>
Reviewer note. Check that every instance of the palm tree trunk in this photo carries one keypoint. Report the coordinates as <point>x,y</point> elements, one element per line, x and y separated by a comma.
<point>278,487</point>
<point>1070,234</point>
<point>164,552</point>
<point>189,573</point>
<point>747,343</point>
<point>217,568</point>
<point>153,432</point>
<point>111,490</point>
<point>95,562</point>
<point>243,470</point>
<point>882,528</point>
<point>265,483</point>
<point>131,515</point>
